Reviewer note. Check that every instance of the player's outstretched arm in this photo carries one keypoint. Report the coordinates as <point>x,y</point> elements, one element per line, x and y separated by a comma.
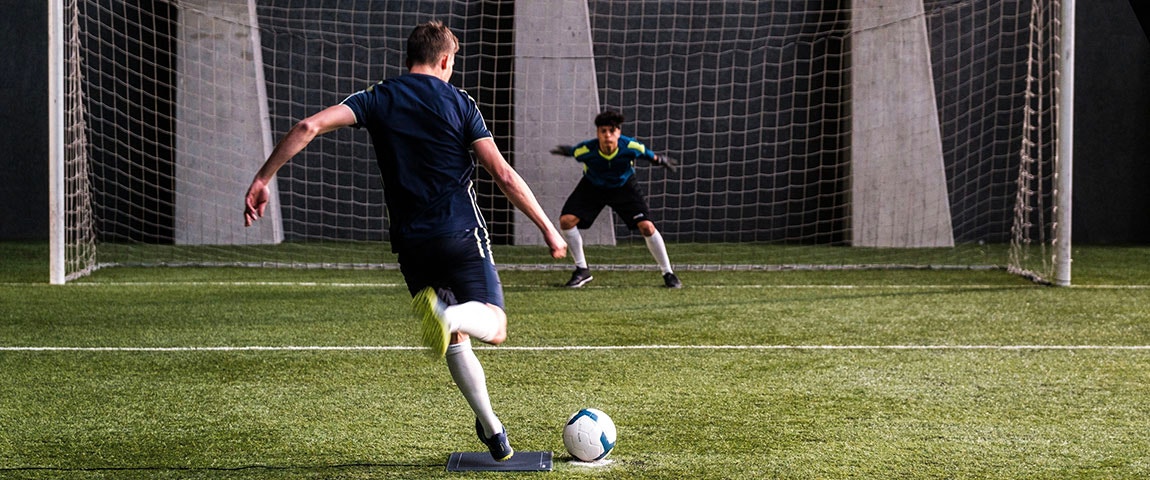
<point>296,139</point>
<point>519,194</point>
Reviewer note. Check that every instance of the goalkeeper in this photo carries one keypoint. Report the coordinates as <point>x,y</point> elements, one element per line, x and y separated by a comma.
<point>609,180</point>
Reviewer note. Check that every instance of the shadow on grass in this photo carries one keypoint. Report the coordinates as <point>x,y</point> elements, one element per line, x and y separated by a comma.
<point>286,469</point>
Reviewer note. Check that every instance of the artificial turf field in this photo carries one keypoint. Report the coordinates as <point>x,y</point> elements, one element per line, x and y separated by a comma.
<point>276,373</point>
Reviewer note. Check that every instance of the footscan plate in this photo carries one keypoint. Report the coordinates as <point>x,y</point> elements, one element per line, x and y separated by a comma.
<point>482,462</point>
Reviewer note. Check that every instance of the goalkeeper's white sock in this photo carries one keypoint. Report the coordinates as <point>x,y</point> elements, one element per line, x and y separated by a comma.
<point>473,318</point>
<point>659,251</point>
<point>468,374</point>
<point>575,246</point>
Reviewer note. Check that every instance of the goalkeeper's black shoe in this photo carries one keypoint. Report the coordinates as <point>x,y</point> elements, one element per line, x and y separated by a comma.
<point>579,278</point>
<point>671,281</point>
<point>497,444</point>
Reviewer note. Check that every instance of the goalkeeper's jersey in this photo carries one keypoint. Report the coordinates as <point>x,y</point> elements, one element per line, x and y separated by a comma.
<point>423,129</point>
<point>611,171</point>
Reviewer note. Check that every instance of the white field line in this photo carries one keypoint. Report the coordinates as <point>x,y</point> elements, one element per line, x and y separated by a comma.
<point>370,348</point>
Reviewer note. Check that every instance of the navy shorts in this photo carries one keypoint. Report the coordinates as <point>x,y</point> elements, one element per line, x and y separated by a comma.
<point>588,200</point>
<point>461,269</point>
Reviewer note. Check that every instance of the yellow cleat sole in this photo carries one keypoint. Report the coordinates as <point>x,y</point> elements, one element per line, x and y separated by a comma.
<point>435,336</point>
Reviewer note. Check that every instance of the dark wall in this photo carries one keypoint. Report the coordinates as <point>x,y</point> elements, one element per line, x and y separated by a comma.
<point>1111,125</point>
<point>1112,107</point>
<point>24,119</point>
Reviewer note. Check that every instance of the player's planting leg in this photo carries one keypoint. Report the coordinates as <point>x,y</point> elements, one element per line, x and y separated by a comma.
<point>468,374</point>
<point>497,444</point>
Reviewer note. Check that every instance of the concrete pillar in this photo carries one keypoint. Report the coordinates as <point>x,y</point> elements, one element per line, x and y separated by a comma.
<point>223,133</point>
<point>556,100</point>
<point>898,190</point>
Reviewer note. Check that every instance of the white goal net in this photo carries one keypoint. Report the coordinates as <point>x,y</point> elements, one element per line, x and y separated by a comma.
<point>810,134</point>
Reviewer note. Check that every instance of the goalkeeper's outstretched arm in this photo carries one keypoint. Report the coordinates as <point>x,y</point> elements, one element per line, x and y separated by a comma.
<point>666,161</point>
<point>563,150</point>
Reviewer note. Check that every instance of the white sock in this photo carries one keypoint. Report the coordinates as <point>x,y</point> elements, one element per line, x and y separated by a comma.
<point>473,318</point>
<point>472,382</point>
<point>575,246</point>
<point>659,251</point>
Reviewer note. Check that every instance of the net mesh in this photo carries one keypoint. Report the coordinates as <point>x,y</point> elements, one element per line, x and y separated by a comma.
<point>172,106</point>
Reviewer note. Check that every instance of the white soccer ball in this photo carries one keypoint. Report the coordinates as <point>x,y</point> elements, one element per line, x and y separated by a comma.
<point>589,435</point>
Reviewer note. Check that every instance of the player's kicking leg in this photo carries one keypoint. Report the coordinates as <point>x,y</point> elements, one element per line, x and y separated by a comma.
<point>435,331</point>
<point>472,306</point>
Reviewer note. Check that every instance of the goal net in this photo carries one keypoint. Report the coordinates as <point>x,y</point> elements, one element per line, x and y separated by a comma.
<point>810,134</point>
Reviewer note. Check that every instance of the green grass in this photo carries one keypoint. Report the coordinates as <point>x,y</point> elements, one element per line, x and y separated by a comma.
<point>992,398</point>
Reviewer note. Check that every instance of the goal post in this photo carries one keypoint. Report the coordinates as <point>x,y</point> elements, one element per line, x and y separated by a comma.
<point>1065,156</point>
<point>56,221</point>
<point>810,134</point>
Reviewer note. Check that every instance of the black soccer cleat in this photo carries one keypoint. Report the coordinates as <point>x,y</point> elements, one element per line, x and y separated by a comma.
<point>497,444</point>
<point>671,281</point>
<point>579,278</point>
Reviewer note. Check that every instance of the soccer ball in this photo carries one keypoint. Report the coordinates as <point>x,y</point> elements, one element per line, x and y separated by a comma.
<point>589,435</point>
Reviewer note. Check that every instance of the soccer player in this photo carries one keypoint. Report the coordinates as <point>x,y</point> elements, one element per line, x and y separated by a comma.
<point>424,131</point>
<point>609,180</point>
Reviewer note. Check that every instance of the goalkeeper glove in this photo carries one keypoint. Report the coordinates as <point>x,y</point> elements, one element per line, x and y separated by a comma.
<point>666,162</point>
<point>563,150</point>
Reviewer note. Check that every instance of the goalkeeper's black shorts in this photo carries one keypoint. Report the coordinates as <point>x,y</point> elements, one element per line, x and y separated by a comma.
<point>587,200</point>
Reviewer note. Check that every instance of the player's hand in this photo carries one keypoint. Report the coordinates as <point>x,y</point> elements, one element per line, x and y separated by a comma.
<point>556,243</point>
<point>563,150</point>
<point>667,162</point>
<point>255,202</point>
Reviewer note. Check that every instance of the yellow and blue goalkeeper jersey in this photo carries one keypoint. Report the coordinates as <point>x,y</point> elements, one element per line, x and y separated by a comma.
<point>611,171</point>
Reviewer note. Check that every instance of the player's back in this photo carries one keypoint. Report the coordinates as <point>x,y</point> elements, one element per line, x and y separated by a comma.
<point>422,129</point>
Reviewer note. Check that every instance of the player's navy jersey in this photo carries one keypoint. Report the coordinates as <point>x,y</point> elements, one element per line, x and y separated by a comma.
<point>423,129</point>
<point>611,171</point>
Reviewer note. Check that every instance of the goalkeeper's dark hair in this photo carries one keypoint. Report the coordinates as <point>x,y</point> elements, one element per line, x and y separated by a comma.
<point>609,118</point>
<point>428,42</point>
